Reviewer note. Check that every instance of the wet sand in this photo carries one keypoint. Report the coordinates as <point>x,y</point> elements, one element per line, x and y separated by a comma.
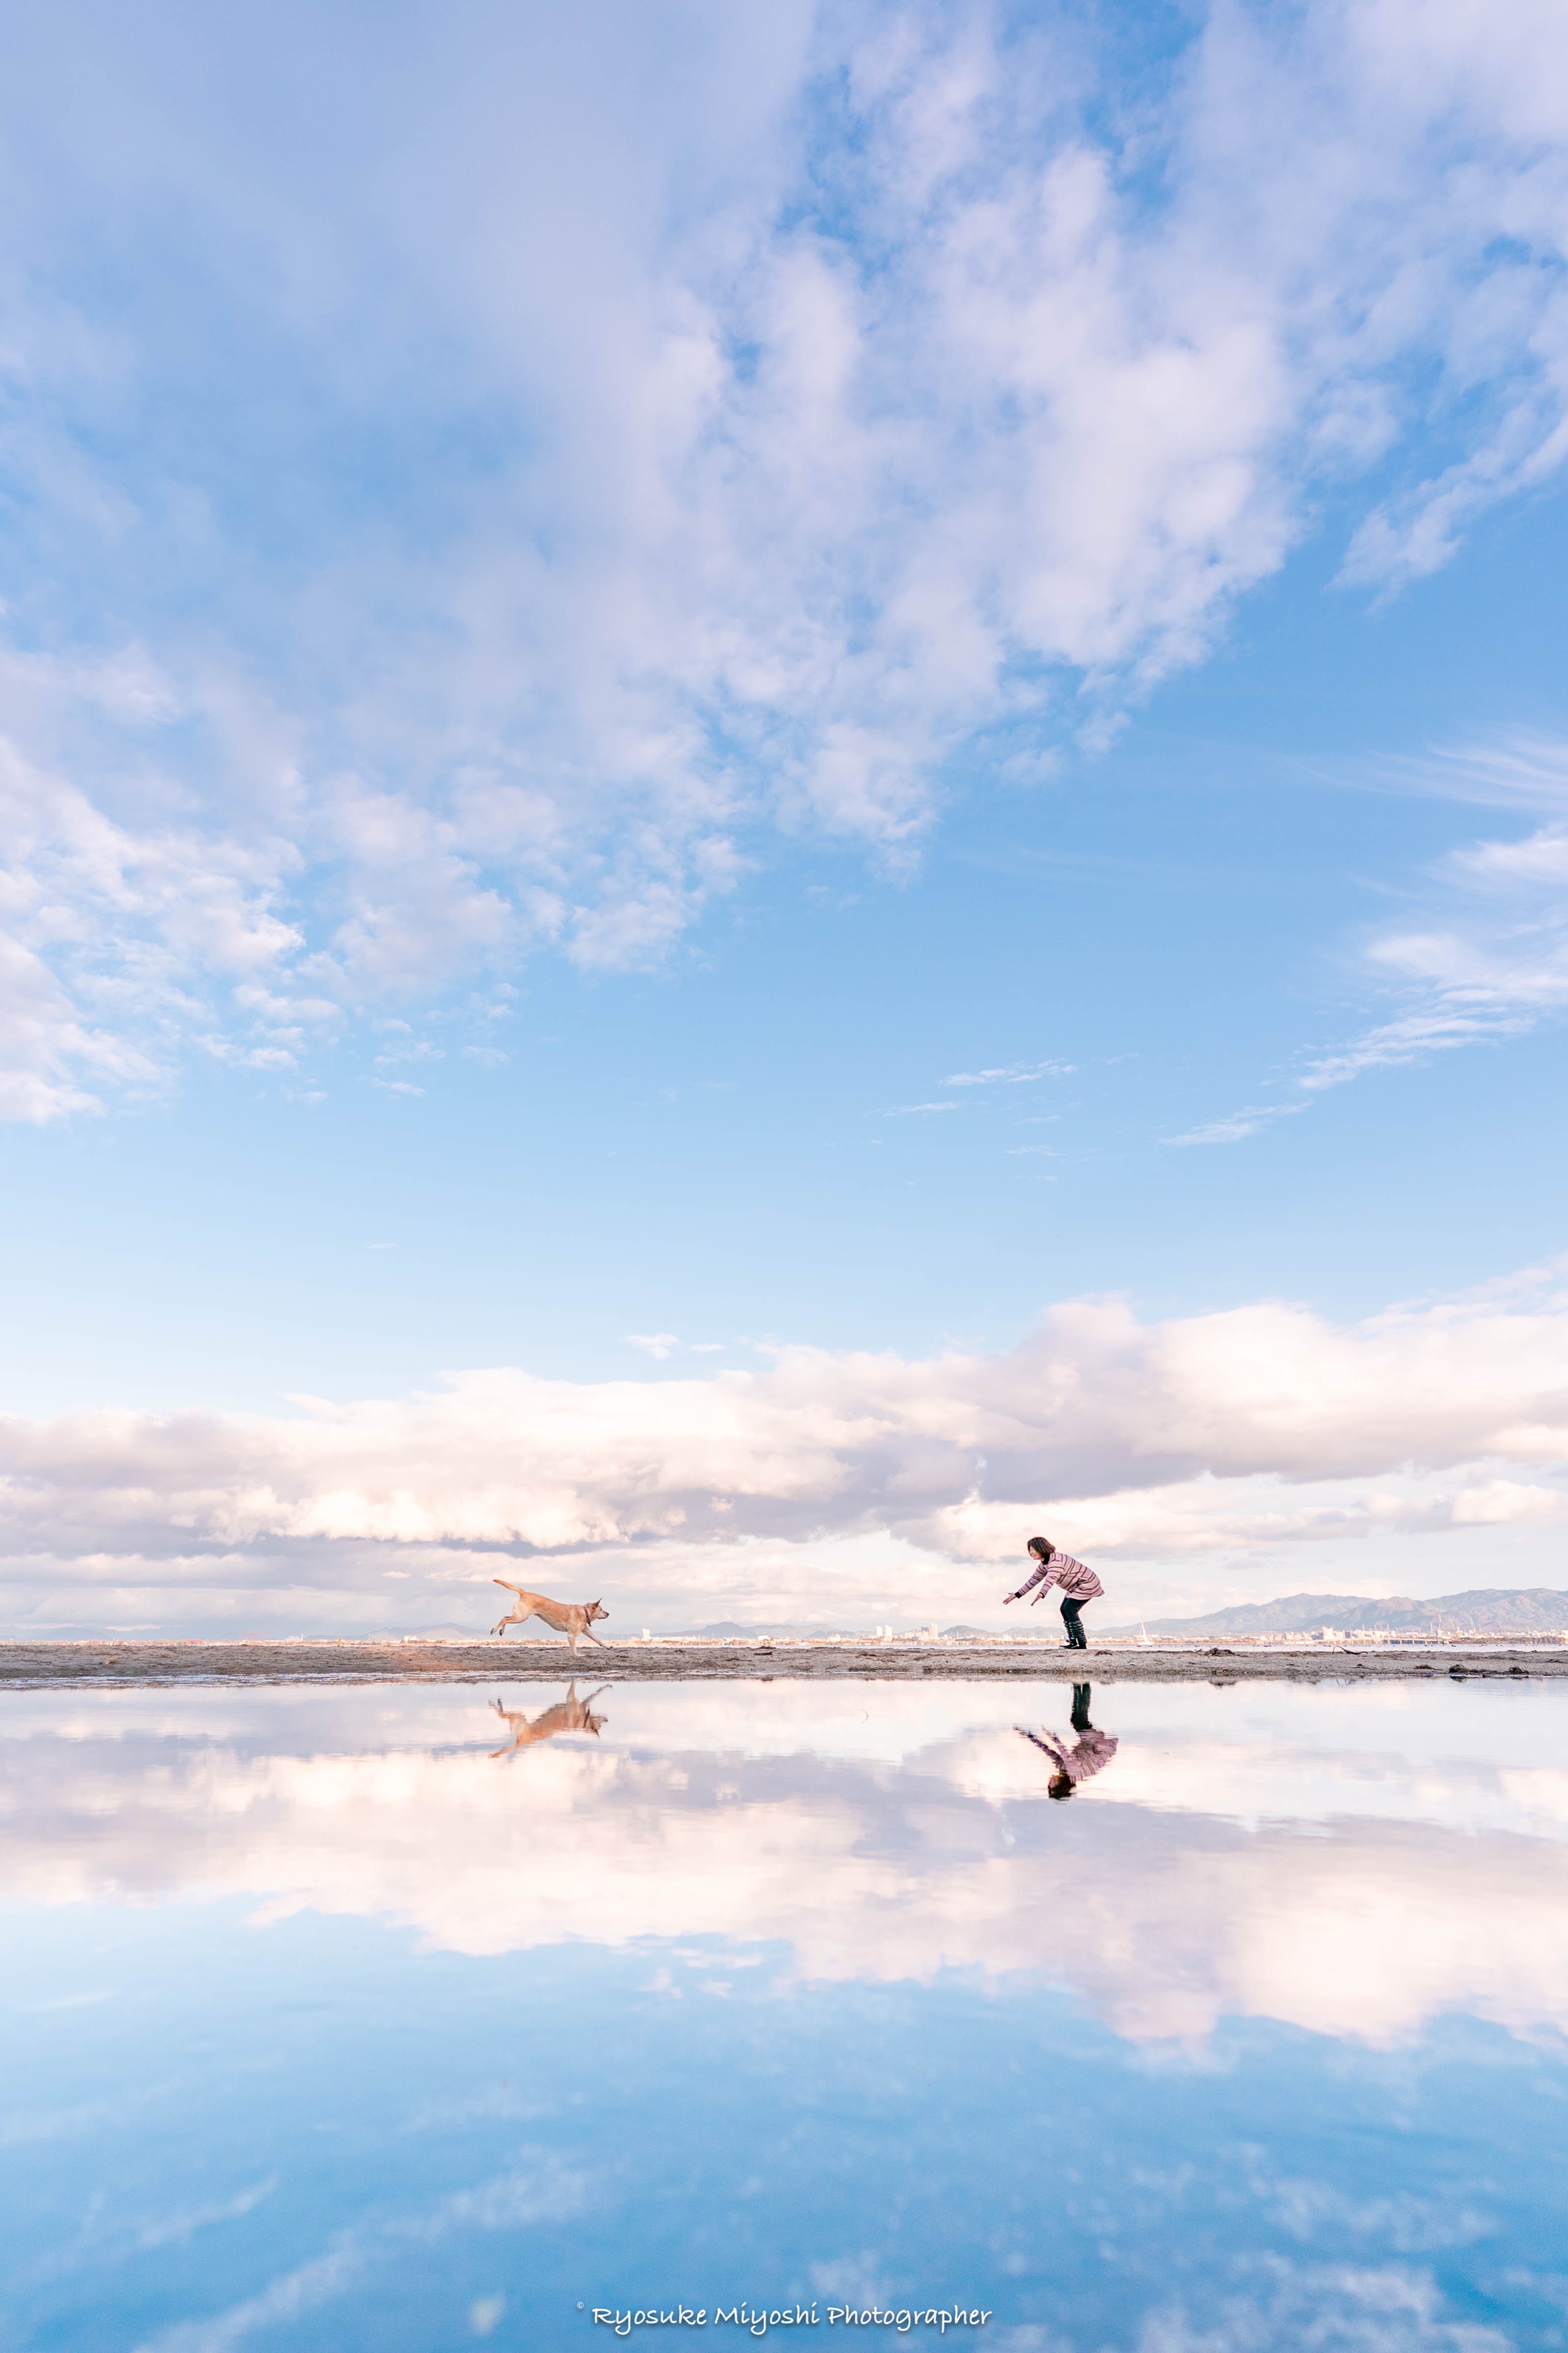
<point>31,1666</point>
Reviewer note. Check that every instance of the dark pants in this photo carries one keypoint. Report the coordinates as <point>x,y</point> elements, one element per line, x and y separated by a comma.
<point>1080,1695</point>
<point>1073,1624</point>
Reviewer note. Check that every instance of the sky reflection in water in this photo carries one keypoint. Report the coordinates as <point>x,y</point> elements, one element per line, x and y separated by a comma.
<point>376,2017</point>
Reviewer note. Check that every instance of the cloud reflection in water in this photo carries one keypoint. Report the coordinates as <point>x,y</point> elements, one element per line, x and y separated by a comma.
<point>1353,1864</point>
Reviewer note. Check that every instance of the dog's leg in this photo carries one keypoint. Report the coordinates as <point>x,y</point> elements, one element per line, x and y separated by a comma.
<point>592,1637</point>
<point>519,1616</point>
<point>509,1718</point>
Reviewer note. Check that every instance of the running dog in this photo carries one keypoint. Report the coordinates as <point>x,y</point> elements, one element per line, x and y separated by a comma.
<point>568,1714</point>
<point>568,1618</point>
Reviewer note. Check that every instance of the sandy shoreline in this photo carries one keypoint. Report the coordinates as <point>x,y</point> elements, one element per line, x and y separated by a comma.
<point>32,1666</point>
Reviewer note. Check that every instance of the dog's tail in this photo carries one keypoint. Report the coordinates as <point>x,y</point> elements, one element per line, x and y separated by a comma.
<point>506,1583</point>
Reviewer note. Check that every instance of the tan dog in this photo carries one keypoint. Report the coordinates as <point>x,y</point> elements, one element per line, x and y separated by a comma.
<point>568,1714</point>
<point>568,1618</point>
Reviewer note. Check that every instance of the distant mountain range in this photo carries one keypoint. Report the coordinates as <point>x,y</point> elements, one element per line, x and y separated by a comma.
<point>723,1626</point>
<point>1525,1609</point>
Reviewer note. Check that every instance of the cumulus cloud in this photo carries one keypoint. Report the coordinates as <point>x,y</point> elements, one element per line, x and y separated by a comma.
<point>652,462</point>
<point>1221,1435</point>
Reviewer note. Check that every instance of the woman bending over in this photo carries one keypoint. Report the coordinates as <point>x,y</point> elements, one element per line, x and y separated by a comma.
<point>1077,1584</point>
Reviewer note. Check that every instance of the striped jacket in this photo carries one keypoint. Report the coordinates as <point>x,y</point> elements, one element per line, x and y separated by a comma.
<point>1078,1581</point>
<point>1091,1753</point>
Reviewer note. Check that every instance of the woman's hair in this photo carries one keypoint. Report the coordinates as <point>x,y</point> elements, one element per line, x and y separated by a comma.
<point>1060,1785</point>
<point>1041,1546</point>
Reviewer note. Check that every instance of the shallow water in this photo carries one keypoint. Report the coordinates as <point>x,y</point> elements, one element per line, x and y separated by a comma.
<point>331,2028</point>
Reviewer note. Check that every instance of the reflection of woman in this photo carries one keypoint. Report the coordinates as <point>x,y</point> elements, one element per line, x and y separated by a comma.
<point>1091,1753</point>
<point>1077,1584</point>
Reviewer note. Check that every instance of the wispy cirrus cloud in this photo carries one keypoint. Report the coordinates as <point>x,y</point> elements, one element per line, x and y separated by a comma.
<point>537,2188</point>
<point>1238,1124</point>
<point>1492,965</point>
<point>1516,770</point>
<point>1015,1074</point>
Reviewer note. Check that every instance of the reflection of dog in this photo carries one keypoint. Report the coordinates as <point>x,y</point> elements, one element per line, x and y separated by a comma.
<point>568,1618</point>
<point>568,1714</point>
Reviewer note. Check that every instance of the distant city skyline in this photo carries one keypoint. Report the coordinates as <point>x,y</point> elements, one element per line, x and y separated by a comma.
<point>781,794</point>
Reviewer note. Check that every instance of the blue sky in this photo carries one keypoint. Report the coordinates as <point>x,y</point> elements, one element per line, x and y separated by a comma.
<point>678,687</point>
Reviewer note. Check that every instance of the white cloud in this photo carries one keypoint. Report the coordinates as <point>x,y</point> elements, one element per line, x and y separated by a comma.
<point>1496,973</point>
<point>1336,2307</point>
<point>1492,965</point>
<point>1238,1124</point>
<point>865,398</point>
<point>119,938</point>
<point>537,2191</point>
<point>1510,770</point>
<point>1326,1872</point>
<point>1540,860</point>
<point>1017,1074</point>
<point>1214,1438</point>
<point>1207,1518</point>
